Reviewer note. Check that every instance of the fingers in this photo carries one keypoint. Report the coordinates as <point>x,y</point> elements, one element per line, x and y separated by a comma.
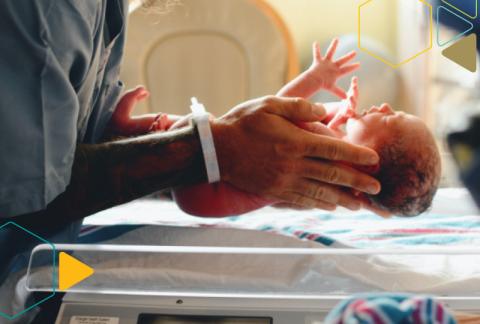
<point>290,206</point>
<point>326,193</point>
<point>340,175</point>
<point>367,204</point>
<point>337,121</point>
<point>353,93</point>
<point>317,53</point>
<point>339,92</point>
<point>353,104</point>
<point>296,109</point>
<point>346,58</point>
<point>317,128</point>
<point>354,85</point>
<point>349,68</point>
<point>306,202</point>
<point>332,49</point>
<point>334,149</point>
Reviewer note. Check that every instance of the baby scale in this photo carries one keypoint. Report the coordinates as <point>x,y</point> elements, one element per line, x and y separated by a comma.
<point>135,284</point>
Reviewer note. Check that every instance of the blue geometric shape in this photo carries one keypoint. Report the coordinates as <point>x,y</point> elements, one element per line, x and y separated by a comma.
<point>468,25</point>
<point>54,272</point>
<point>464,6</point>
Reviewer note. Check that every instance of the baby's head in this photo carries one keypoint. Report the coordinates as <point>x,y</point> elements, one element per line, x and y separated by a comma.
<point>410,164</point>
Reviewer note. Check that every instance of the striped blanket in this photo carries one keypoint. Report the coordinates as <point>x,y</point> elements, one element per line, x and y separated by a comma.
<point>453,220</point>
<point>390,309</point>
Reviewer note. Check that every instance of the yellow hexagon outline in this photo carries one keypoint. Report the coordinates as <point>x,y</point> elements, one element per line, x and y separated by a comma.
<point>378,57</point>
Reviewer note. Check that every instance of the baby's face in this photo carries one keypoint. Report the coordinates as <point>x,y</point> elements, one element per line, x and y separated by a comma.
<point>379,124</point>
<point>410,165</point>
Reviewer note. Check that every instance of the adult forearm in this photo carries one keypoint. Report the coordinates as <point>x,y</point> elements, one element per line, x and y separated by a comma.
<point>112,173</point>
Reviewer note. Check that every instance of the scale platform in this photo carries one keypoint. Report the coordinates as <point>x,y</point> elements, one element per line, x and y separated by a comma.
<point>137,284</point>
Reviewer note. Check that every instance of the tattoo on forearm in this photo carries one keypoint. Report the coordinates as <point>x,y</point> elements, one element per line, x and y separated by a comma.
<point>112,173</point>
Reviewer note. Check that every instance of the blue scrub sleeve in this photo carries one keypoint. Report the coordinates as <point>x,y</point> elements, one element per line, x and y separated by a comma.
<point>38,109</point>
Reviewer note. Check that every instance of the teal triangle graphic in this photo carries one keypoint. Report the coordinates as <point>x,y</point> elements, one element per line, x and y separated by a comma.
<point>467,7</point>
<point>441,10</point>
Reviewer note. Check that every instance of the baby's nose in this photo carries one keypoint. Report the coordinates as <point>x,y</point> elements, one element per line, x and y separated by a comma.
<point>386,109</point>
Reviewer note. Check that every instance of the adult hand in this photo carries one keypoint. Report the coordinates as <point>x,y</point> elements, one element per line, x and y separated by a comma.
<point>261,151</point>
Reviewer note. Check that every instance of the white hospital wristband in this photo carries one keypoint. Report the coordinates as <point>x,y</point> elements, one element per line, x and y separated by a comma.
<point>201,119</point>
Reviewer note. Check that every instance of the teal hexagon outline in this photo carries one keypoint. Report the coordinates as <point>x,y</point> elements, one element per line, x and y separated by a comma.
<point>54,272</point>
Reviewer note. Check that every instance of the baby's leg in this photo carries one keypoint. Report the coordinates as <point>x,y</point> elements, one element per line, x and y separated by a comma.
<point>122,123</point>
<point>222,199</point>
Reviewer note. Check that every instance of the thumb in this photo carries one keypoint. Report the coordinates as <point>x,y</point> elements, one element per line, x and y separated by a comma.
<point>297,110</point>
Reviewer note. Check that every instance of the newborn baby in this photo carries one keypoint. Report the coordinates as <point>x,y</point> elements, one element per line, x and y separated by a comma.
<point>409,168</point>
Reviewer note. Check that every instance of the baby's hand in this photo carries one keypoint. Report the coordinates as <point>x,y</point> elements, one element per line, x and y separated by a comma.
<point>352,95</point>
<point>349,109</point>
<point>325,71</point>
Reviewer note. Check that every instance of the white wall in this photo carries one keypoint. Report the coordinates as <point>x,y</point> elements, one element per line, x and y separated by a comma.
<point>321,20</point>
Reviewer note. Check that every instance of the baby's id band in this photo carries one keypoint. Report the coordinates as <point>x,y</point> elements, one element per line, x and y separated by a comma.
<point>201,120</point>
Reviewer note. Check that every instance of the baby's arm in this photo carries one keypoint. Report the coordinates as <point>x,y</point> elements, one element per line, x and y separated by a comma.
<point>322,74</point>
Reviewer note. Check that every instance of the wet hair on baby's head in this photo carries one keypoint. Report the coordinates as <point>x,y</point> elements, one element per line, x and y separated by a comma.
<point>409,176</point>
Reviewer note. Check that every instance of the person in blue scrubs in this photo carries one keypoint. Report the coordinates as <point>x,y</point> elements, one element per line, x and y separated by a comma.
<point>59,84</point>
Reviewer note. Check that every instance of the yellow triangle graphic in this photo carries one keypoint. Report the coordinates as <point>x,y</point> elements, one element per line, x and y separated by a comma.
<point>71,271</point>
<point>464,52</point>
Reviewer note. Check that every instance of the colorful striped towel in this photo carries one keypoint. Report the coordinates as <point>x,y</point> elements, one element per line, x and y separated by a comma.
<point>390,309</point>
